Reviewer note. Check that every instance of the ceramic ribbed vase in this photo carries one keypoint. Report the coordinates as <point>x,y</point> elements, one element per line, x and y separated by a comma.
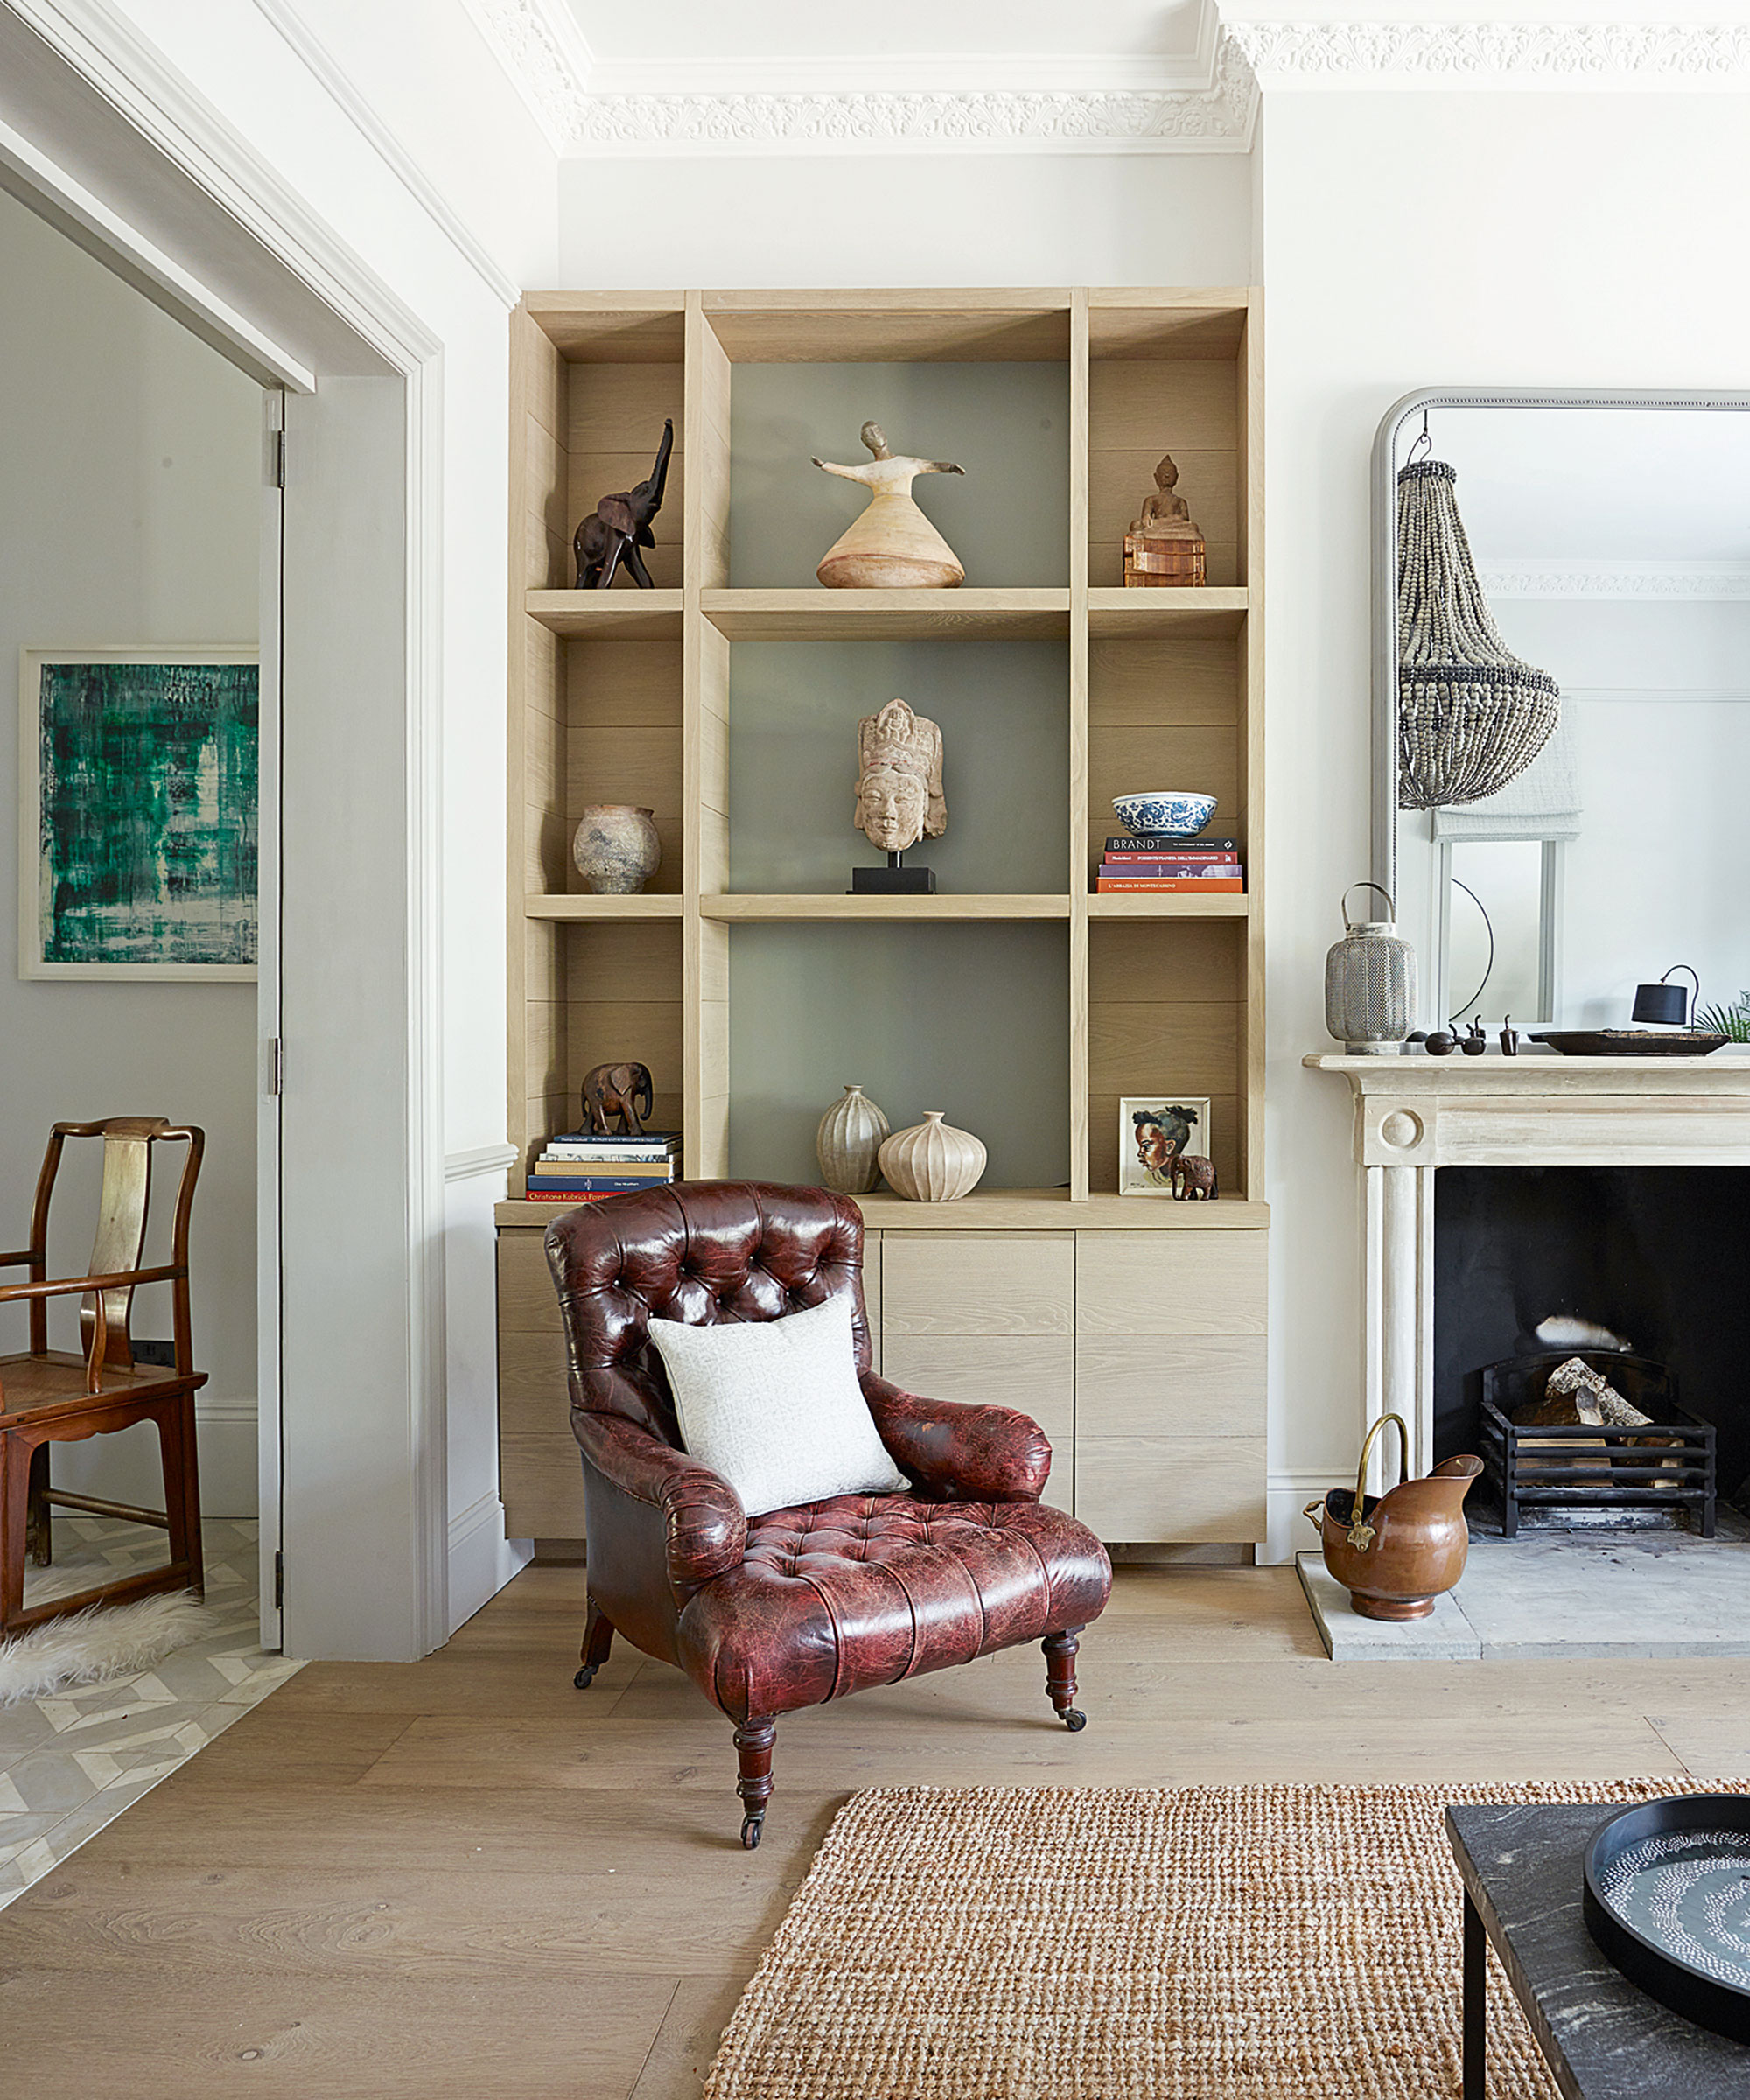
<point>931,1162</point>
<point>848,1141</point>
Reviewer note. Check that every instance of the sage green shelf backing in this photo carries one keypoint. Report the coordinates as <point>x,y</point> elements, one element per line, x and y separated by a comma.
<point>972,1018</point>
<point>1003,707</point>
<point>1007,425</point>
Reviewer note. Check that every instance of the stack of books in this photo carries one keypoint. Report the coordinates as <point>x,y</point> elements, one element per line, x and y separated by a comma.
<point>578,1167</point>
<point>1135,864</point>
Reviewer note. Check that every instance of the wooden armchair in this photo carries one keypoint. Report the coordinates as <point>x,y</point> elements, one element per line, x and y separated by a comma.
<point>60,1396</point>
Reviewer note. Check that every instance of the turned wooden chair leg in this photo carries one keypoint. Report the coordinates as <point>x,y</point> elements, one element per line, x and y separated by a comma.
<point>753,1740</point>
<point>1059,1675</point>
<point>38,1523</point>
<point>179,1456</point>
<point>597,1639</point>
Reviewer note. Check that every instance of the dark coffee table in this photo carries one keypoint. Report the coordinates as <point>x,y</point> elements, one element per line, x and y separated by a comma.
<point>1603,2039</point>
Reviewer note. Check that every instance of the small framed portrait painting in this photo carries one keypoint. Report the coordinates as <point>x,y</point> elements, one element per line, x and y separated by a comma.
<point>1155,1132</point>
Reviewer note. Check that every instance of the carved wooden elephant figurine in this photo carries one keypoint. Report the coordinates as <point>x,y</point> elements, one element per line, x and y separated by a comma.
<point>622,1090</point>
<point>1194,1179</point>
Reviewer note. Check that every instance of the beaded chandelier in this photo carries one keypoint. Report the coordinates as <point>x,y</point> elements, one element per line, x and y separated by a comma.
<point>1470,717</point>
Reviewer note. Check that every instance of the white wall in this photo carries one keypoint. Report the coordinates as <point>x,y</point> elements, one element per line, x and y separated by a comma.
<point>130,506</point>
<point>1417,239</point>
<point>734,221</point>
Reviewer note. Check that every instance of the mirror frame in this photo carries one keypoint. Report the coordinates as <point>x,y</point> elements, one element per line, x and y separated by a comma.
<point>1382,859</point>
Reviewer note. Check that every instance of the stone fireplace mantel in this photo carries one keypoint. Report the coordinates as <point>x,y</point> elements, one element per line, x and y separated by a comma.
<point>1415,1113</point>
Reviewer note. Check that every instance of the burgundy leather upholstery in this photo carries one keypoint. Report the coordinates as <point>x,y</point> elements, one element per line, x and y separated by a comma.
<point>803,1604</point>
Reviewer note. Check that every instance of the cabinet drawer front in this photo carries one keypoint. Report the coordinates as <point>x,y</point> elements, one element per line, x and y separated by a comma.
<point>1171,1282</point>
<point>1032,1372</point>
<point>541,1480</point>
<point>1171,1490</point>
<point>534,1385</point>
<point>526,1300</point>
<point>978,1283</point>
<point>1198,1386</point>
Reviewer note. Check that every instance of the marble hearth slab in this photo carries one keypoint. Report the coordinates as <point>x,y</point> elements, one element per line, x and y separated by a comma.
<point>1559,1598</point>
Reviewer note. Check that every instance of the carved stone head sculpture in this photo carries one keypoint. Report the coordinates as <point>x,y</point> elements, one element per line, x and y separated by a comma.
<point>899,779</point>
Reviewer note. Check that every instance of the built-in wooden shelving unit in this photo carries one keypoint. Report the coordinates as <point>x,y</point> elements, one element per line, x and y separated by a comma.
<point>631,695</point>
<point>1024,1006</point>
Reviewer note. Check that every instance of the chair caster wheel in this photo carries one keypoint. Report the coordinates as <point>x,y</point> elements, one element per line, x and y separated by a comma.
<point>585,1677</point>
<point>1074,1720</point>
<point>751,1828</point>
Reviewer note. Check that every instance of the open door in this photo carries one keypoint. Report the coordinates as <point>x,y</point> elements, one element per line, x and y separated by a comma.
<point>269,1403</point>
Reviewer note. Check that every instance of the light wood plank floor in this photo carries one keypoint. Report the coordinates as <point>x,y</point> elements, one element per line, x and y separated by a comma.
<point>460,1876</point>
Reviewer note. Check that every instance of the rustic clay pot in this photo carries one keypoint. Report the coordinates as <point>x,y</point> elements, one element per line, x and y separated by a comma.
<point>1410,1545</point>
<point>931,1162</point>
<point>848,1142</point>
<point>616,848</point>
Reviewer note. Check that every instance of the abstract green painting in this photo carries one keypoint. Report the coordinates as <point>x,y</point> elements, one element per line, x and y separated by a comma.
<point>138,825</point>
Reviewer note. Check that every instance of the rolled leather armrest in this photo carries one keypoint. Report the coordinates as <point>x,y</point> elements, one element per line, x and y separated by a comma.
<point>705,1526</point>
<point>961,1454</point>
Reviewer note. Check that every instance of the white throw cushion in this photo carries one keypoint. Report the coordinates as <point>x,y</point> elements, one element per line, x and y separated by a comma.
<point>774,1406</point>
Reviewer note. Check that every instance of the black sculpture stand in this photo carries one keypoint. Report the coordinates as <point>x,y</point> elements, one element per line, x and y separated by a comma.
<point>896,879</point>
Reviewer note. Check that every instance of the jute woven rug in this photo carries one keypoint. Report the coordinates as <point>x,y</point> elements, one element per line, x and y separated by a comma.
<point>1106,1943</point>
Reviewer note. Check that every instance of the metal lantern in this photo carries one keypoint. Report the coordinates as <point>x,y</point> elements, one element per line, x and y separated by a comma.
<point>1370,982</point>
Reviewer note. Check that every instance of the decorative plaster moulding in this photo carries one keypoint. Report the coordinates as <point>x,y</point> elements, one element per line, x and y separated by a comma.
<point>942,106</point>
<point>1684,582</point>
<point>1587,55</point>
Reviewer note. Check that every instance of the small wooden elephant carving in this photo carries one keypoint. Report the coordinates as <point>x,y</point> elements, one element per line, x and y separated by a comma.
<point>622,1090</point>
<point>1194,1179</point>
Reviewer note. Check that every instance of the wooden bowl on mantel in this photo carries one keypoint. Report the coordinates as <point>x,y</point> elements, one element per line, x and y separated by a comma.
<point>1632,1042</point>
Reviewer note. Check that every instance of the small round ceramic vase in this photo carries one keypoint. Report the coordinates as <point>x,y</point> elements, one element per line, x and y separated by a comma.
<point>931,1162</point>
<point>848,1142</point>
<point>616,848</point>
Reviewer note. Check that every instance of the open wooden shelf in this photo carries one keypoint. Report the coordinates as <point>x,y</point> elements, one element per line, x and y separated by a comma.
<point>646,904</point>
<point>1012,1210</point>
<point>1169,904</point>
<point>624,614</point>
<point>1157,615</point>
<point>820,615</point>
<point>778,905</point>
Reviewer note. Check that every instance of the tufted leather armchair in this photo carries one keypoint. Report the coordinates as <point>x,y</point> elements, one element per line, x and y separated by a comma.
<point>771,1613</point>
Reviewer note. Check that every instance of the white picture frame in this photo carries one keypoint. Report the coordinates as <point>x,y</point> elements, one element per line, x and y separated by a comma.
<point>40,934</point>
<point>1145,1163</point>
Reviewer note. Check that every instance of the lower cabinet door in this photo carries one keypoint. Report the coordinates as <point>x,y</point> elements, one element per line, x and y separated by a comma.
<point>541,1477</point>
<point>1035,1373</point>
<point>1171,1490</point>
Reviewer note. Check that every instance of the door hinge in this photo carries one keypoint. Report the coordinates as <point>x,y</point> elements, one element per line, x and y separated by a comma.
<point>278,458</point>
<point>279,1581</point>
<point>276,1063</point>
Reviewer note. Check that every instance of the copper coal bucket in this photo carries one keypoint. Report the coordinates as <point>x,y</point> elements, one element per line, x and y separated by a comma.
<point>1396,1553</point>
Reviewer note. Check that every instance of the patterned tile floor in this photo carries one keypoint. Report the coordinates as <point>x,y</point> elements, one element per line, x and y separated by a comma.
<point>72,1761</point>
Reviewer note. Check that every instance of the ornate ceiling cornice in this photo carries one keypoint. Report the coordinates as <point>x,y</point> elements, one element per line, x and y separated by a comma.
<point>1578,54</point>
<point>536,42</point>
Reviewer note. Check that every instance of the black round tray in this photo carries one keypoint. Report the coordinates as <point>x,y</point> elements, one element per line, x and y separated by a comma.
<point>1667,1898</point>
<point>1631,1042</point>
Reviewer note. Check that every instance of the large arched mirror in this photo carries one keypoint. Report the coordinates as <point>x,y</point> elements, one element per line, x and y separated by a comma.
<point>1608,540</point>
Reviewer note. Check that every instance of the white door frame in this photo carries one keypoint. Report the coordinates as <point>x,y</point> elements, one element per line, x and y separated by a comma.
<point>146,176</point>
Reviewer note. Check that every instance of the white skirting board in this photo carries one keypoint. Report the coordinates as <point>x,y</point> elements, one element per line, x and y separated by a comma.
<point>123,1467</point>
<point>481,1558</point>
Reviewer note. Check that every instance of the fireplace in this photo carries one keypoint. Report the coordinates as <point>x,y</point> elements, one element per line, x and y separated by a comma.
<point>1657,1253</point>
<point>1498,1191</point>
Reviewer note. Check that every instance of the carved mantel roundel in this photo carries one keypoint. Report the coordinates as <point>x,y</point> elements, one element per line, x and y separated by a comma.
<point>1401,1128</point>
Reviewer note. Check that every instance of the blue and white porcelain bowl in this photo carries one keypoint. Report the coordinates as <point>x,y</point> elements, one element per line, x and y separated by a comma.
<point>1165,813</point>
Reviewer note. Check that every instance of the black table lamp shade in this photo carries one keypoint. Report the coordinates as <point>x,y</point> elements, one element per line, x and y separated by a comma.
<point>1665,1002</point>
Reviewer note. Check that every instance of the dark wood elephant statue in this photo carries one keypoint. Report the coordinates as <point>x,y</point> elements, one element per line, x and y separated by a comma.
<point>622,1090</point>
<point>1194,1179</point>
<point>619,525</point>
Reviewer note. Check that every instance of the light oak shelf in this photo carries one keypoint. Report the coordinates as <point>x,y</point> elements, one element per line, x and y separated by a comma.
<point>645,904</point>
<point>621,614</point>
<point>781,905</point>
<point>1169,904</point>
<point>821,615</point>
<point>1012,1210</point>
<point>1166,615</point>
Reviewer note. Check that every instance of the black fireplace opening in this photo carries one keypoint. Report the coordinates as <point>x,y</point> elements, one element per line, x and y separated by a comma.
<point>1658,1255</point>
